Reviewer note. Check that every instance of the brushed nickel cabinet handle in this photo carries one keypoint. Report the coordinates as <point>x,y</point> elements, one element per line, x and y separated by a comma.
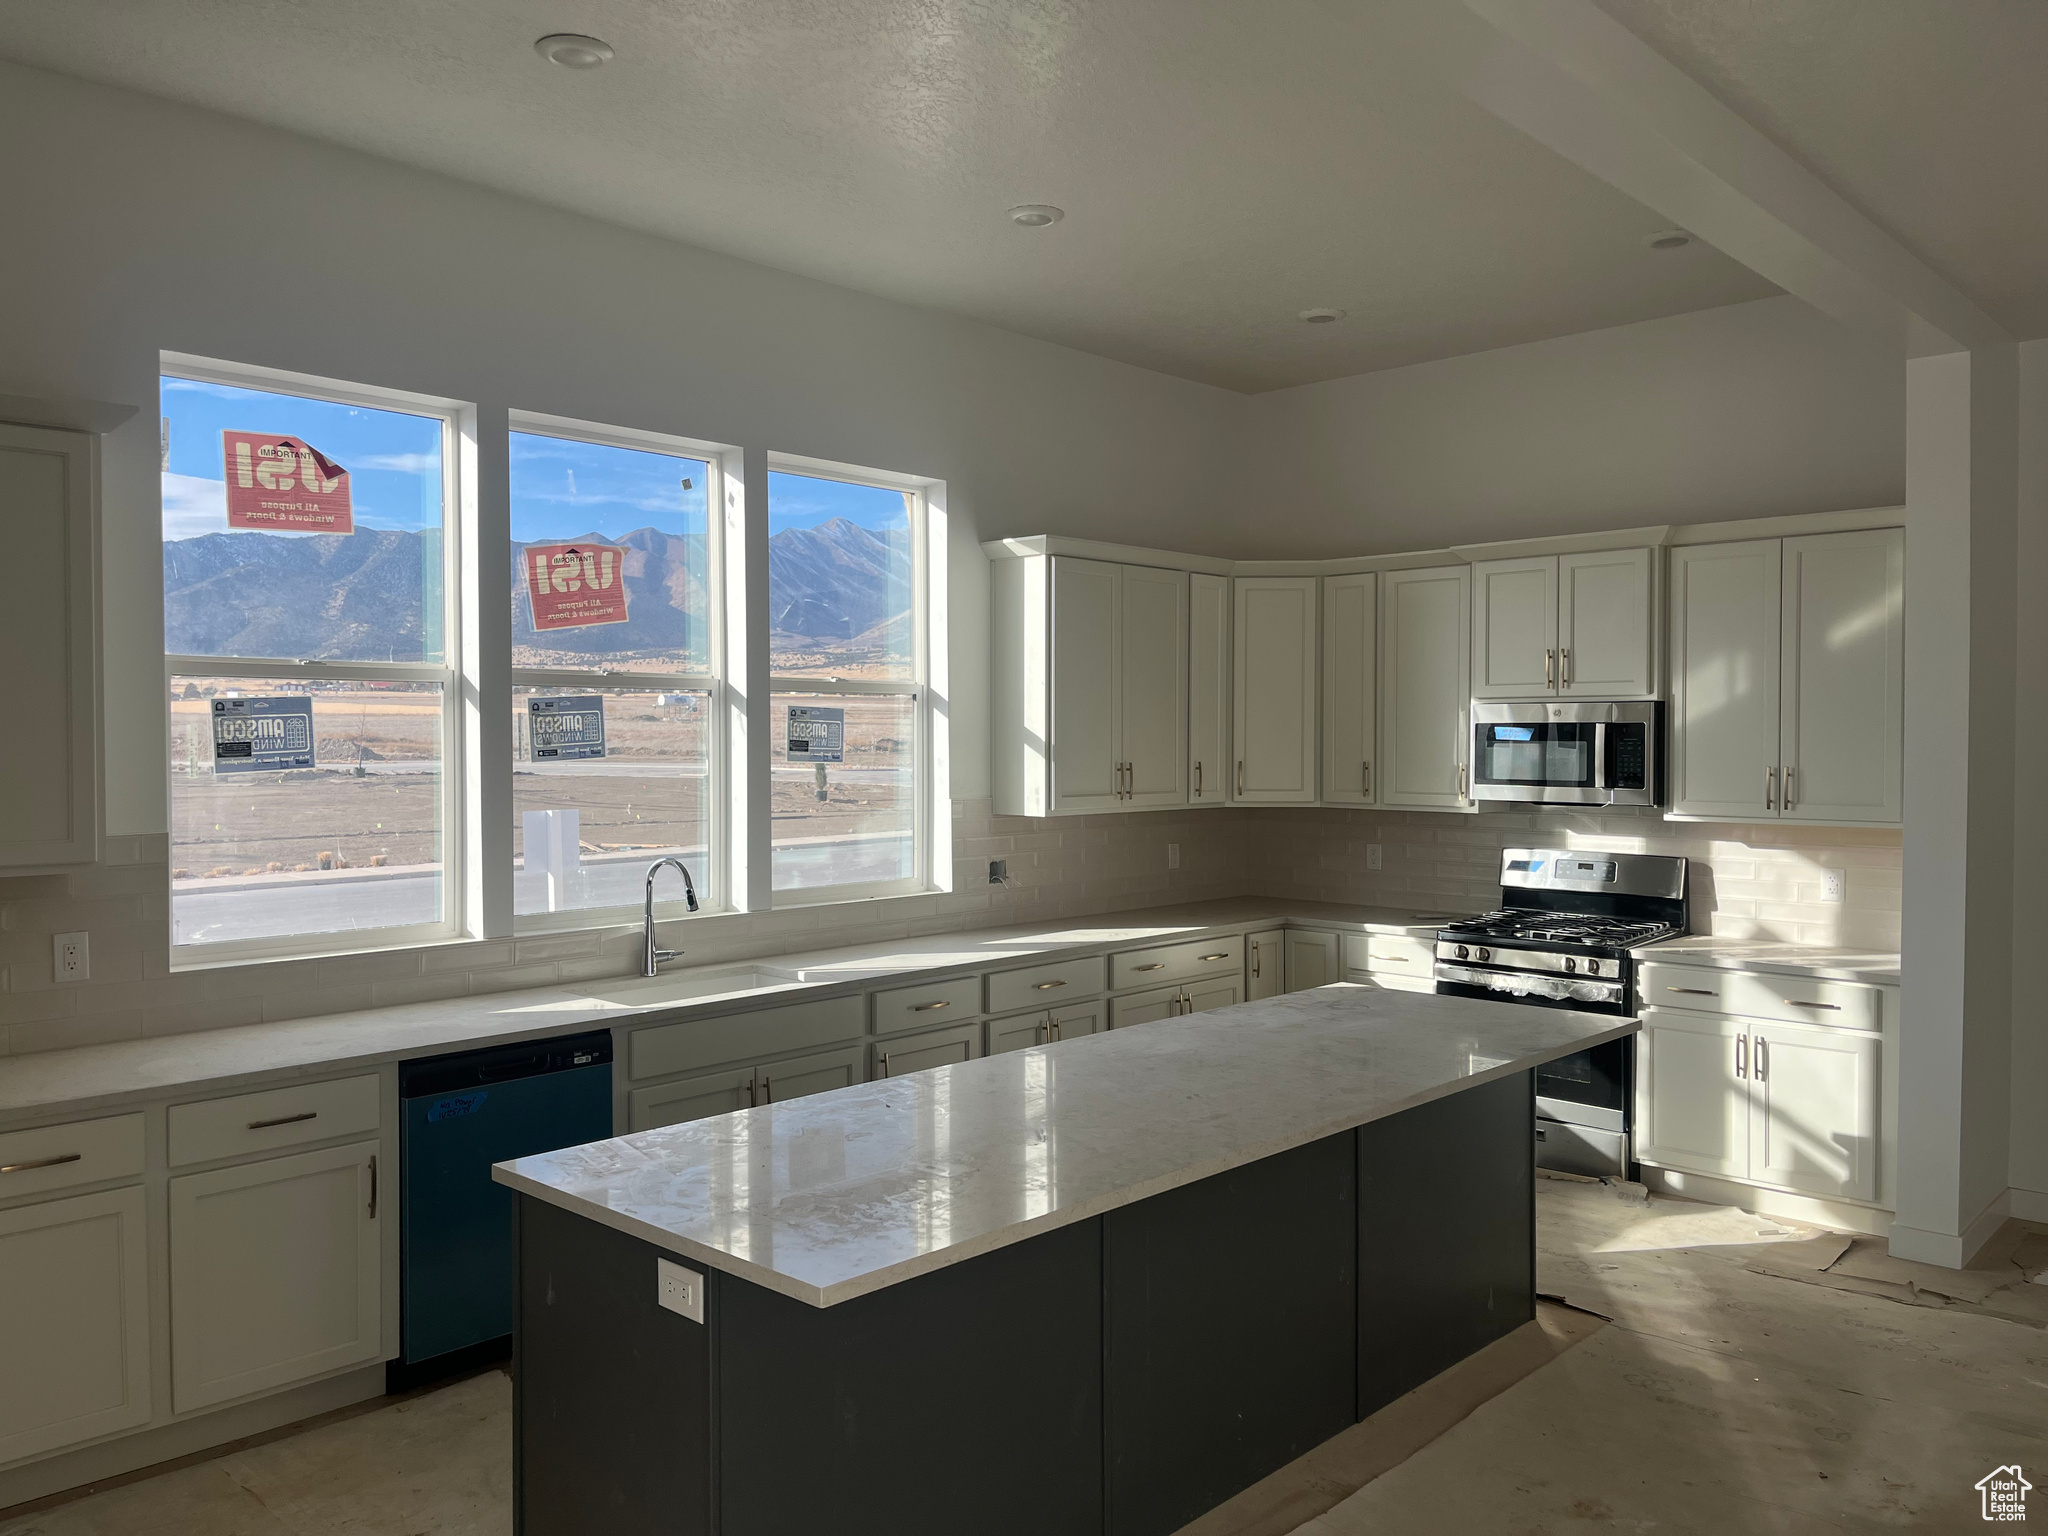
<point>1391,959</point>
<point>767,1089</point>
<point>1742,1055</point>
<point>373,1186</point>
<point>1461,781</point>
<point>1770,789</point>
<point>1564,667</point>
<point>885,1063</point>
<point>43,1162</point>
<point>928,1007</point>
<point>753,1097</point>
<point>1198,778</point>
<point>264,1125</point>
<point>1787,799</point>
<point>1240,775</point>
<point>1255,959</point>
<point>1221,954</point>
<point>1052,1029</point>
<point>1550,669</point>
<point>1763,1059</point>
<point>1800,1002</point>
<point>1046,986</point>
<point>1694,991</point>
<point>1156,965</point>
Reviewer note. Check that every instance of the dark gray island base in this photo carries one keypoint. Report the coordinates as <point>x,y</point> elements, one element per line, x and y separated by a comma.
<point>1119,1373</point>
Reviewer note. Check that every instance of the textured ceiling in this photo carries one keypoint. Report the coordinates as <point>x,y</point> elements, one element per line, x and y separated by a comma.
<point>1223,164</point>
<point>1929,115</point>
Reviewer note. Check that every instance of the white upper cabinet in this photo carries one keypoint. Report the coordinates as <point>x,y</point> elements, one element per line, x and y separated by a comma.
<point>1514,628</point>
<point>1152,651</point>
<point>1788,678</point>
<point>1606,625</point>
<point>1565,625</point>
<point>1350,686</point>
<point>1425,676</point>
<point>50,812</point>
<point>1841,718</point>
<point>1274,700</point>
<point>1088,686</point>
<point>1208,773</point>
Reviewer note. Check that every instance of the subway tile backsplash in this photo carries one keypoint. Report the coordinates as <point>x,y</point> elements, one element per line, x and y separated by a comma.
<point>1751,881</point>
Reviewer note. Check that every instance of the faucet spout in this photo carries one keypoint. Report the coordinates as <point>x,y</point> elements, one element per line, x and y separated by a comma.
<point>652,954</point>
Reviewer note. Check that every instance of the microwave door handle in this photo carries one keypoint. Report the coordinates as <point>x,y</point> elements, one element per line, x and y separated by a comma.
<point>1600,755</point>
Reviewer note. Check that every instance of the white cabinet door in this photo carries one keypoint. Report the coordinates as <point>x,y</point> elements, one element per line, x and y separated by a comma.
<point>1153,721</point>
<point>1274,691</point>
<point>1019,1032</point>
<point>1144,1007</point>
<point>777,1082</point>
<point>1312,960</point>
<point>1425,669</point>
<point>50,814</point>
<point>1208,689</point>
<point>1351,677</point>
<point>1086,706</point>
<point>1842,728</point>
<point>1691,1109</point>
<point>1514,628</point>
<point>274,1273</point>
<point>1078,1019</point>
<point>1813,1109</point>
<point>1265,964</point>
<point>1724,679</point>
<point>74,1328</point>
<point>691,1098</point>
<point>1219,992</point>
<point>1605,632</point>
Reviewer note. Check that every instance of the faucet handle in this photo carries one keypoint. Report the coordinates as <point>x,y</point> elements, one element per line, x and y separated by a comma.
<point>667,954</point>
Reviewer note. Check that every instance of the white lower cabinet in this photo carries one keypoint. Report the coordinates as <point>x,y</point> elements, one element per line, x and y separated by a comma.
<point>1312,959</point>
<point>1046,1027</point>
<point>274,1273</point>
<point>1789,1105</point>
<point>74,1321</point>
<point>901,1055</point>
<point>1265,964</point>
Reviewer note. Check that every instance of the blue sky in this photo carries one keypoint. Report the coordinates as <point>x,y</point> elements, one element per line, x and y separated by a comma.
<point>393,459</point>
<point>804,501</point>
<point>562,489</point>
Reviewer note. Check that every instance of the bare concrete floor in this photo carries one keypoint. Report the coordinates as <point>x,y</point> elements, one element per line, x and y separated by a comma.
<point>1745,1384</point>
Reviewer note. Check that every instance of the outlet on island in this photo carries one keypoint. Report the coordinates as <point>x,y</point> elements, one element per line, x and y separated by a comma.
<point>680,1290</point>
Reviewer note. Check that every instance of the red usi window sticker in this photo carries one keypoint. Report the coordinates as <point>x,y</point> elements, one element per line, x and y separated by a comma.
<point>572,586</point>
<point>284,483</point>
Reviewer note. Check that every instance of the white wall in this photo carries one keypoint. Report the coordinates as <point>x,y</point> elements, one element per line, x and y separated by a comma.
<point>136,225</point>
<point>2030,796</point>
<point>1746,411</point>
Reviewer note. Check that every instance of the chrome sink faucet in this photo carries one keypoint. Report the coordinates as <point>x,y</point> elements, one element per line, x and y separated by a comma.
<point>651,963</point>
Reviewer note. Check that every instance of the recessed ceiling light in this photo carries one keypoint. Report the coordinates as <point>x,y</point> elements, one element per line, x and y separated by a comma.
<point>572,50</point>
<point>1036,215</point>
<point>1322,316</point>
<point>1668,239</point>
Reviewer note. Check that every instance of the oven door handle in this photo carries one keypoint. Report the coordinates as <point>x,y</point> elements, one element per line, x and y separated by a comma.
<point>1600,755</point>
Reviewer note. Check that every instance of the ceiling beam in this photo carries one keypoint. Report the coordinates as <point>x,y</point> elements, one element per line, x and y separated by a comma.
<point>1575,79</point>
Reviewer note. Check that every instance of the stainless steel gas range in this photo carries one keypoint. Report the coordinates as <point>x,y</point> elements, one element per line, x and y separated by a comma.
<point>1561,939</point>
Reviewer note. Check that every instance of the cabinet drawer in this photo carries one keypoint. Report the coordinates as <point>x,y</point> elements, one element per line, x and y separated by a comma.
<point>1390,952</point>
<point>1040,986</point>
<point>281,1117</point>
<point>1794,999</point>
<point>1175,962</point>
<point>65,1156</point>
<point>933,1002</point>
<point>933,1048</point>
<point>668,1049</point>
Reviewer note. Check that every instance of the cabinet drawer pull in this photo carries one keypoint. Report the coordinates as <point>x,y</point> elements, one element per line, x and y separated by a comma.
<point>1800,1002</point>
<point>43,1162</point>
<point>928,1007</point>
<point>1046,986</point>
<point>1694,991</point>
<point>1391,959</point>
<point>1156,965</point>
<point>1219,955</point>
<point>264,1125</point>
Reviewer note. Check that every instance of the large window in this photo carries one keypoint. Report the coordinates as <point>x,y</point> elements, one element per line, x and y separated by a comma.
<point>307,645</point>
<point>613,580</point>
<point>846,638</point>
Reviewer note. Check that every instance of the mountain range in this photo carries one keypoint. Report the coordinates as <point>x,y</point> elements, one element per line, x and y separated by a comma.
<point>838,588</point>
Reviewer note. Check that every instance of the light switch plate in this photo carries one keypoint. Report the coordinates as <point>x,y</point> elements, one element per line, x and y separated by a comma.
<point>680,1290</point>
<point>1372,855</point>
<point>71,956</point>
<point>1834,885</point>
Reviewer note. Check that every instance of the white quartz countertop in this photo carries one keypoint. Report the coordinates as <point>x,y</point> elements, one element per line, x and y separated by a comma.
<point>831,1197</point>
<point>1877,967</point>
<point>93,1077</point>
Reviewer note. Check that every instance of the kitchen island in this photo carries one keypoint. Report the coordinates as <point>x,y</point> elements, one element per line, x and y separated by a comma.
<point>1097,1286</point>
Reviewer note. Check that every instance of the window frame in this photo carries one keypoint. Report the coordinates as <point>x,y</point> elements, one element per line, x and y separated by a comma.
<point>714,880</point>
<point>918,686</point>
<point>458,428</point>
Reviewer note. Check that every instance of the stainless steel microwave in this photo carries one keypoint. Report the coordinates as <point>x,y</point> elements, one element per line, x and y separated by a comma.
<point>1582,753</point>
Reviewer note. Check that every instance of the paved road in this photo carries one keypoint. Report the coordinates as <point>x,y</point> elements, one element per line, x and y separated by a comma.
<point>203,916</point>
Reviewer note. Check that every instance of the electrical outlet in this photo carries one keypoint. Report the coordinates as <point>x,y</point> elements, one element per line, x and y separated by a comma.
<point>1372,855</point>
<point>1834,884</point>
<point>998,871</point>
<point>71,956</point>
<point>1173,855</point>
<point>680,1290</point>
